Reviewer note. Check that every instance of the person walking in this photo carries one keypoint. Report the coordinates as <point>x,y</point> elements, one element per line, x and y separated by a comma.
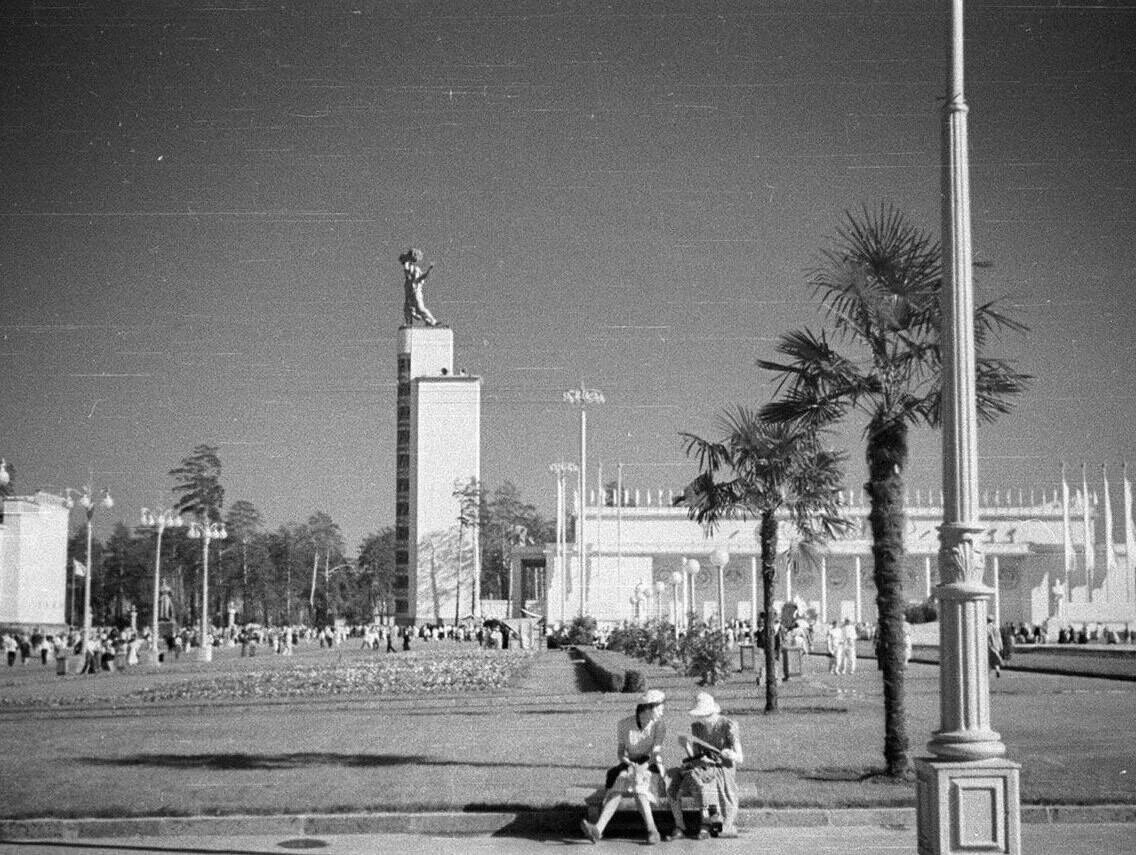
<point>846,653</point>
<point>832,638</point>
<point>994,647</point>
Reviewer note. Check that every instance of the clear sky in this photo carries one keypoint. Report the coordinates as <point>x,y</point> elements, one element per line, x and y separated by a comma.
<point>202,205</point>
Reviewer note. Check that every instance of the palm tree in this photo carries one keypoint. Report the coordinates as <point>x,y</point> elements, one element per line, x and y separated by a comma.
<point>880,289</point>
<point>773,470</point>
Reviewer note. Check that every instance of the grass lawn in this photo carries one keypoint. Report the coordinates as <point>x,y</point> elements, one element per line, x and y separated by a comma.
<point>191,740</point>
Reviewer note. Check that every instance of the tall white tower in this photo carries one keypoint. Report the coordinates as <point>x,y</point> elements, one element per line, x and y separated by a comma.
<point>438,451</point>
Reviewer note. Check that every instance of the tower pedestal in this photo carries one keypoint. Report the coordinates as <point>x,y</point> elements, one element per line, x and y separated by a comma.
<point>965,807</point>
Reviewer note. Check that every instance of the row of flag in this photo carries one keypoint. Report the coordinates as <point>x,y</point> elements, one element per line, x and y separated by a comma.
<point>1089,550</point>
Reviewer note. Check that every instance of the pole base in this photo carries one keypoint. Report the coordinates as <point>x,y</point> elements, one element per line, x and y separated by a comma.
<point>205,654</point>
<point>968,807</point>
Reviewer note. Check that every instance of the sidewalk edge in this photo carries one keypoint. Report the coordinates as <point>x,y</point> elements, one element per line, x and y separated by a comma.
<point>526,821</point>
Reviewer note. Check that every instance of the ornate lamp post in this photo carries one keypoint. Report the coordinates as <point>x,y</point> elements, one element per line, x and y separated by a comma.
<point>206,532</point>
<point>720,557</point>
<point>967,794</point>
<point>582,397</point>
<point>160,520</point>
<point>89,505</point>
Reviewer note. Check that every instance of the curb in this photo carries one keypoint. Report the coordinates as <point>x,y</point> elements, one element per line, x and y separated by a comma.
<point>550,821</point>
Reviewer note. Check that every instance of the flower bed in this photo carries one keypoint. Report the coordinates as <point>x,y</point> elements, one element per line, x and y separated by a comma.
<point>404,673</point>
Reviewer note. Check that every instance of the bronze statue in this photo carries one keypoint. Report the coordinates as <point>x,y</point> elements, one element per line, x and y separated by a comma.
<point>413,308</point>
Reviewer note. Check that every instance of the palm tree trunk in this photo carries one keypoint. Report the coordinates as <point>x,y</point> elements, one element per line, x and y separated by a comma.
<point>887,456</point>
<point>768,578</point>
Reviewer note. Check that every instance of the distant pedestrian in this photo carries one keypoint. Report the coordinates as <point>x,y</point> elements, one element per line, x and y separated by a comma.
<point>846,653</point>
<point>832,645</point>
<point>994,647</point>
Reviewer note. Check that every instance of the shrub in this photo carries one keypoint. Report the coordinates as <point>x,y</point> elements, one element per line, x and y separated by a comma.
<point>582,630</point>
<point>706,655</point>
<point>634,681</point>
<point>924,612</point>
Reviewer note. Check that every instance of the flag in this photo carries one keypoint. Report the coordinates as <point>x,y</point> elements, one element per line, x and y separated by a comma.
<point>1090,547</point>
<point>1109,557</point>
<point>80,567</point>
<point>1129,535</point>
<point>1066,530</point>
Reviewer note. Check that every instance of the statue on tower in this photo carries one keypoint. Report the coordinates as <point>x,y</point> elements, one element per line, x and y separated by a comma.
<point>413,308</point>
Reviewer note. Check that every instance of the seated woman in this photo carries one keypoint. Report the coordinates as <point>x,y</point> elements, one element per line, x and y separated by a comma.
<point>640,772</point>
<point>717,741</point>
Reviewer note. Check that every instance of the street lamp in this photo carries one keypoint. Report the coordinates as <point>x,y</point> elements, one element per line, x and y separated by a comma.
<point>206,532</point>
<point>720,557</point>
<point>582,397</point>
<point>161,520</point>
<point>89,505</point>
<point>968,754</point>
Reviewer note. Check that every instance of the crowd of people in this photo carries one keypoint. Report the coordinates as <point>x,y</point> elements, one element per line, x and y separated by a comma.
<point>112,648</point>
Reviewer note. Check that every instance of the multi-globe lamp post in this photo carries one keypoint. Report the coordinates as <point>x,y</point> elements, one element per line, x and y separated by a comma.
<point>582,398</point>
<point>206,532</point>
<point>90,505</point>
<point>160,520</point>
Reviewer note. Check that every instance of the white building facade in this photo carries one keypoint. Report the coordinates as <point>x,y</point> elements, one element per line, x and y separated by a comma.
<point>636,565</point>
<point>33,563</point>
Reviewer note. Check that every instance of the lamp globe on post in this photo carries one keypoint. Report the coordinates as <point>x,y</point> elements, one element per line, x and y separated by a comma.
<point>719,558</point>
<point>159,520</point>
<point>206,532</point>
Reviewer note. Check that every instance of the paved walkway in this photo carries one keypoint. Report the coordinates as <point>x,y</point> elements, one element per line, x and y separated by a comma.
<point>1065,839</point>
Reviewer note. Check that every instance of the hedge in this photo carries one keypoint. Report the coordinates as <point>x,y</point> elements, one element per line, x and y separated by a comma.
<point>609,671</point>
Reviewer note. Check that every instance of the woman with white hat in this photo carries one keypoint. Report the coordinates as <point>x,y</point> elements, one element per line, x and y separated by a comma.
<point>640,772</point>
<point>715,740</point>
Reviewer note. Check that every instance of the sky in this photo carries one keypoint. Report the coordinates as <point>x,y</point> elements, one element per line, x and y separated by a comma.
<point>202,206</point>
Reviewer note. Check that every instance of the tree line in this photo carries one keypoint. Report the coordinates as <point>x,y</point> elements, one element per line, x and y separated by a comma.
<point>298,573</point>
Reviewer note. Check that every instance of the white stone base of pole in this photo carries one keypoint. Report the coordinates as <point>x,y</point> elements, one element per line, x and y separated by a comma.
<point>967,797</point>
<point>967,806</point>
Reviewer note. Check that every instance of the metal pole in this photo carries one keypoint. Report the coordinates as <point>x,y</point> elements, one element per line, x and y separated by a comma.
<point>206,652</point>
<point>157,582</point>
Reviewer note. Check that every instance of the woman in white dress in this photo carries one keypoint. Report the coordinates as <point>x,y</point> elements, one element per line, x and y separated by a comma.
<point>640,772</point>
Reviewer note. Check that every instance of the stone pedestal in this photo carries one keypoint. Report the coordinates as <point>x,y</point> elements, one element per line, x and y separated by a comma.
<point>968,806</point>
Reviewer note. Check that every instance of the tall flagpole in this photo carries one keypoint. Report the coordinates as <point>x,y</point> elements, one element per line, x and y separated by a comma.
<point>967,753</point>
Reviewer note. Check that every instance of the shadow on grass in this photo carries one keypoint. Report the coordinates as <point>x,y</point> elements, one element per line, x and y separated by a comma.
<point>91,846</point>
<point>235,762</point>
